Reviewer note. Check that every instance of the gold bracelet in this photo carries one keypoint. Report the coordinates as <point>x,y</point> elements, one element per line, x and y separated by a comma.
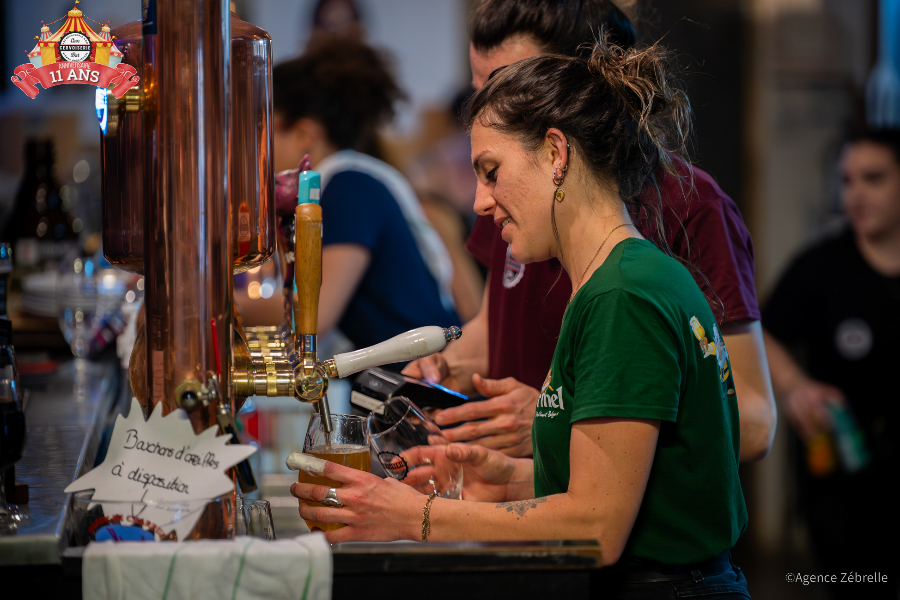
<point>426,517</point>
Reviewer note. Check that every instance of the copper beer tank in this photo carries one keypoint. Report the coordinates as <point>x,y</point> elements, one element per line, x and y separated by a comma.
<point>250,180</point>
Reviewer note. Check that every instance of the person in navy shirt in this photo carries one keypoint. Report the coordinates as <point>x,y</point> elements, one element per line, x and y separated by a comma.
<point>384,268</point>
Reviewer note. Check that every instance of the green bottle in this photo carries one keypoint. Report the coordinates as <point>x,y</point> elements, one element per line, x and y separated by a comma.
<point>849,438</point>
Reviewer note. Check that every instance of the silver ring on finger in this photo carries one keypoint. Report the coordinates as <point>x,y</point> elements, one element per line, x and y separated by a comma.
<point>331,499</point>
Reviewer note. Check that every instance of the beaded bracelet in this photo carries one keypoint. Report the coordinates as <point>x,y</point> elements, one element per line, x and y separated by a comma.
<point>426,517</point>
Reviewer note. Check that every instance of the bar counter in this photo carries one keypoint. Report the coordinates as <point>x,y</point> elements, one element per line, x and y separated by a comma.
<point>69,417</point>
<point>66,414</point>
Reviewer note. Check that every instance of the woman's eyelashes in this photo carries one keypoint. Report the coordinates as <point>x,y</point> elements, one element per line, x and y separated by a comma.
<point>492,175</point>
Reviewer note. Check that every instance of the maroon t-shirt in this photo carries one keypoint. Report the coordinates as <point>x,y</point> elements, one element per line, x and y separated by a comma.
<point>526,308</point>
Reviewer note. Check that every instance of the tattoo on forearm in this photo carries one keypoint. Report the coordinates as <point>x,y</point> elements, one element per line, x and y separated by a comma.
<point>521,507</point>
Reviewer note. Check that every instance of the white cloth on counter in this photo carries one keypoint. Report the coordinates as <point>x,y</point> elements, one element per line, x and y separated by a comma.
<point>244,568</point>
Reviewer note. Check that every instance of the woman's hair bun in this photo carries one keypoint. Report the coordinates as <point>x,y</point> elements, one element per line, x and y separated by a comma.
<point>646,79</point>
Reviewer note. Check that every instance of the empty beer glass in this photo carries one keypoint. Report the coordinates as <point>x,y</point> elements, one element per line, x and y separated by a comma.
<point>410,448</point>
<point>254,518</point>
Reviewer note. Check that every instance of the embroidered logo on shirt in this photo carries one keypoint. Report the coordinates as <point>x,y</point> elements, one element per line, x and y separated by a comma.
<point>547,381</point>
<point>513,272</point>
<point>716,348</point>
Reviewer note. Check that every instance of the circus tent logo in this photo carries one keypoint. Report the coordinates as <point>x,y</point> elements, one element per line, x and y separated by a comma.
<point>75,47</point>
<point>75,53</point>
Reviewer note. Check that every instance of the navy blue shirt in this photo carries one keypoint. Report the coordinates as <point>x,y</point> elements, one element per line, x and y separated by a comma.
<point>397,292</point>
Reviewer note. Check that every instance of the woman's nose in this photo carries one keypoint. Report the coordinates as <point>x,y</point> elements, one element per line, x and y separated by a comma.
<point>484,201</point>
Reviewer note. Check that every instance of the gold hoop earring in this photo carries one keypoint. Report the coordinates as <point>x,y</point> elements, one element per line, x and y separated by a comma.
<point>559,176</point>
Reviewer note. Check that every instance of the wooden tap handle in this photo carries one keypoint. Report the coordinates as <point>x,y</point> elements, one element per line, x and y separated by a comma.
<point>307,268</point>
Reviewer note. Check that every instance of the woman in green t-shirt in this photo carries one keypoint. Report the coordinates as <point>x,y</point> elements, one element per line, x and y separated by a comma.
<point>636,435</point>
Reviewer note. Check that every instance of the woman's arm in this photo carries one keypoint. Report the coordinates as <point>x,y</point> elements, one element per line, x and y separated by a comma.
<point>467,285</point>
<point>343,267</point>
<point>610,462</point>
<point>756,401</point>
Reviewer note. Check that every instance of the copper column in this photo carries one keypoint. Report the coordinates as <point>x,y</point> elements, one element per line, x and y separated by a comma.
<point>187,245</point>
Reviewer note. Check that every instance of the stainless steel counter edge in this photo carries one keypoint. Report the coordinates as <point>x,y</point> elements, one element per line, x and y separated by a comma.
<point>65,423</point>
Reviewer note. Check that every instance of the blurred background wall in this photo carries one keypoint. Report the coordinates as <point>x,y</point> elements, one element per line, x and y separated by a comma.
<point>773,83</point>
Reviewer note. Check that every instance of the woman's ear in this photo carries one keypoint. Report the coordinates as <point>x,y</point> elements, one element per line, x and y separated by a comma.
<point>306,131</point>
<point>557,148</point>
<point>303,136</point>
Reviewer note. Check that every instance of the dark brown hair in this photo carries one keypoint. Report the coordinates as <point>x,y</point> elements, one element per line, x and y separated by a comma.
<point>342,83</point>
<point>622,112</point>
<point>559,27</point>
<point>889,138</point>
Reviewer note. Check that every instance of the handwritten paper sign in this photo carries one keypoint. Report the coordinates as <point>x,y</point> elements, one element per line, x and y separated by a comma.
<point>161,463</point>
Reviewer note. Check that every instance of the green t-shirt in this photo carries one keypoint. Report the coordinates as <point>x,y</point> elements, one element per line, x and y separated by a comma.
<point>640,341</point>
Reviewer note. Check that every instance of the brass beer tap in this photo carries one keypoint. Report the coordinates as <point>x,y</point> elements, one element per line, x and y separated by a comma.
<point>291,360</point>
<point>310,379</point>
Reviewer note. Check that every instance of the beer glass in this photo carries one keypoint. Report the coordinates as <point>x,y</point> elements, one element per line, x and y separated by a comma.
<point>347,444</point>
<point>254,518</point>
<point>76,301</point>
<point>408,446</point>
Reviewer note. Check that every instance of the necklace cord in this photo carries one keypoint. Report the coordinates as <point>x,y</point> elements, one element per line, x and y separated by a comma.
<point>596,254</point>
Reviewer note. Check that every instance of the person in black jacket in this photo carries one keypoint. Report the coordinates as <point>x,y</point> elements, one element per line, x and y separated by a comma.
<point>838,305</point>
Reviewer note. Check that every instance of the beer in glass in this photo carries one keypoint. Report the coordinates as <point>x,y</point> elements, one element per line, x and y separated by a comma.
<point>347,445</point>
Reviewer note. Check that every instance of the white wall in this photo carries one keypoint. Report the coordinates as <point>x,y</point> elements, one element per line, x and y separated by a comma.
<point>426,38</point>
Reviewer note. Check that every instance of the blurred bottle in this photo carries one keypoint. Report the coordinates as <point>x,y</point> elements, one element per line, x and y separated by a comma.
<point>5,272</point>
<point>134,299</point>
<point>844,446</point>
<point>849,438</point>
<point>12,417</point>
<point>39,228</point>
<point>109,319</point>
<point>820,455</point>
<point>8,369</point>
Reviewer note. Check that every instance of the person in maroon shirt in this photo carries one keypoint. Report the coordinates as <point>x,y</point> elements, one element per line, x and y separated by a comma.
<point>507,348</point>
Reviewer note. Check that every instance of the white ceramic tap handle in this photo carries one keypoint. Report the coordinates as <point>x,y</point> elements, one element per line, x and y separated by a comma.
<point>404,347</point>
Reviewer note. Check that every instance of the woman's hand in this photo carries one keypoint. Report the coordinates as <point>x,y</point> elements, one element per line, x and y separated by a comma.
<point>509,412</point>
<point>805,401</point>
<point>433,368</point>
<point>384,510</point>
<point>488,475</point>
<point>375,509</point>
<point>807,407</point>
